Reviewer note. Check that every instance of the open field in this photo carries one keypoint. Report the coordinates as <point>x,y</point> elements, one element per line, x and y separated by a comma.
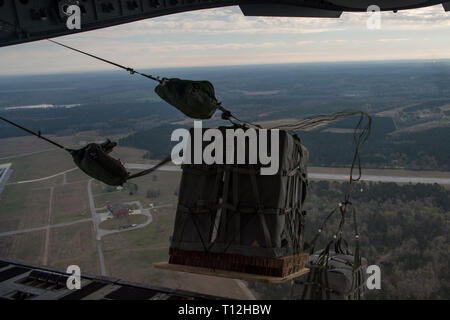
<point>159,231</point>
<point>22,206</point>
<point>39,165</point>
<point>74,244</point>
<point>33,158</point>
<point>66,195</point>
<point>130,255</point>
<point>26,247</point>
<point>76,176</point>
<point>15,147</point>
<point>166,183</point>
<point>70,202</point>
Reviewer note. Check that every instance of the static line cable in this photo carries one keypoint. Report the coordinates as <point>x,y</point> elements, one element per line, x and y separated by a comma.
<point>37,134</point>
<point>130,70</point>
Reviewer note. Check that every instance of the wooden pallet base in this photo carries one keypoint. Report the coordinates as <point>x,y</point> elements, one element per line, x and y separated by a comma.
<point>228,274</point>
<point>279,267</point>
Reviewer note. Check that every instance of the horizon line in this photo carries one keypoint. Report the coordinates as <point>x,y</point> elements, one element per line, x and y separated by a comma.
<point>231,65</point>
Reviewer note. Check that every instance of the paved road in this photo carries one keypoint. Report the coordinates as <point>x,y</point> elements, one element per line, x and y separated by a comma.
<point>57,225</point>
<point>45,178</point>
<point>380,178</point>
<point>246,290</point>
<point>5,173</point>
<point>47,231</point>
<point>328,176</point>
<point>101,258</point>
<point>102,232</point>
<point>95,220</point>
<point>311,175</point>
<point>141,166</point>
<point>26,154</point>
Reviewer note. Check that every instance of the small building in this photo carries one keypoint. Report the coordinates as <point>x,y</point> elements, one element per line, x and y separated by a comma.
<point>119,210</point>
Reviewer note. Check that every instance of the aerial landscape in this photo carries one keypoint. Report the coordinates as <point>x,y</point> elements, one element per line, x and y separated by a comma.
<point>99,198</point>
<point>51,213</point>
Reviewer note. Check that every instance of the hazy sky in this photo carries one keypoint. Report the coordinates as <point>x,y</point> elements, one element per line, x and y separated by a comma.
<point>224,36</point>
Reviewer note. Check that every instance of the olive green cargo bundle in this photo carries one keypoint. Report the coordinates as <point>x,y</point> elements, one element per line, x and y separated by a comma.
<point>232,209</point>
<point>340,279</point>
<point>94,160</point>
<point>196,99</point>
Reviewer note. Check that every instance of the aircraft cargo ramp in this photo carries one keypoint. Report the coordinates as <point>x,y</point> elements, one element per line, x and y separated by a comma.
<point>24,281</point>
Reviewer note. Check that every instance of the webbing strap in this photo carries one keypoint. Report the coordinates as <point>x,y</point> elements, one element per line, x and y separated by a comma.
<point>148,171</point>
<point>360,136</point>
<point>200,170</point>
<point>224,214</point>
<point>315,122</point>
<point>215,208</point>
<point>237,217</point>
<point>319,231</point>
<point>262,218</point>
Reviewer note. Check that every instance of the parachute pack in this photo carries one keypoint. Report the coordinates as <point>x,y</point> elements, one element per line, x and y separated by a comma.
<point>196,99</point>
<point>95,161</point>
<point>336,273</point>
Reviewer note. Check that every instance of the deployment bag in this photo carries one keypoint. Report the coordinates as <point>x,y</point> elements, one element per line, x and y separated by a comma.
<point>196,99</point>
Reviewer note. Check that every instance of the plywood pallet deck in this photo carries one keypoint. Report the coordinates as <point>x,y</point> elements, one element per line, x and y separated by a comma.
<point>228,274</point>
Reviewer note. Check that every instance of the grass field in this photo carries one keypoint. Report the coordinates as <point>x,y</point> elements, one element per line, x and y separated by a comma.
<point>165,182</point>
<point>26,247</point>
<point>130,255</point>
<point>70,203</point>
<point>39,165</point>
<point>23,206</point>
<point>27,205</point>
<point>76,176</point>
<point>159,231</point>
<point>74,244</point>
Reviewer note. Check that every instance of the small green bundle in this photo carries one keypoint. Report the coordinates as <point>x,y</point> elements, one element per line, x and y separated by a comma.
<point>196,99</point>
<point>94,160</point>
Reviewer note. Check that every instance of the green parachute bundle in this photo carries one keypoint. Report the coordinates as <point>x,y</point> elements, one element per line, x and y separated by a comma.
<point>95,161</point>
<point>196,99</point>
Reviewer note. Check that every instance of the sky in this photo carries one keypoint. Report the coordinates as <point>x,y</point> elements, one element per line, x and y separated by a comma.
<point>224,36</point>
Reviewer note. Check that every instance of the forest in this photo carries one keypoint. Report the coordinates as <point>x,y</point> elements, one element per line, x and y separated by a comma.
<point>409,102</point>
<point>403,229</point>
